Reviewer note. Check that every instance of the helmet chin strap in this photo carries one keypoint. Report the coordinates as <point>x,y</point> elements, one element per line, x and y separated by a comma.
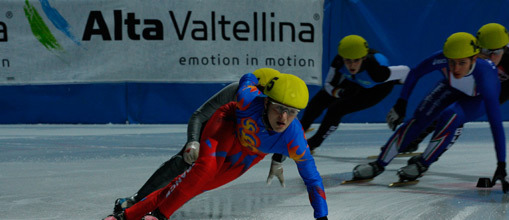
<point>472,67</point>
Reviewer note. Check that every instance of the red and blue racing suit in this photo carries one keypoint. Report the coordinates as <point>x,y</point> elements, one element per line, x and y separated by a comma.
<point>235,139</point>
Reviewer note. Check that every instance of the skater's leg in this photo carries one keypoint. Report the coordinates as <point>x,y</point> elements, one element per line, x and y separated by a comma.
<point>234,162</point>
<point>414,145</point>
<point>243,160</point>
<point>163,175</point>
<point>160,178</point>
<point>428,110</point>
<point>450,126</point>
<point>193,180</point>
<point>329,124</point>
<point>316,106</point>
<point>362,99</point>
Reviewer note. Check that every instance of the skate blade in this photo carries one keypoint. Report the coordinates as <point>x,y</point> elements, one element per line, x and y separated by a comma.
<point>399,155</point>
<point>353,181</point>
<point>403,183</point>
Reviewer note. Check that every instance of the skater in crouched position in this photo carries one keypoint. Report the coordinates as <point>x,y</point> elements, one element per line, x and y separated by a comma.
<point>358,78</point>
<point>238,136</point>
<point>470,90</point>
<point>180,162</point>
<point>493,39</point>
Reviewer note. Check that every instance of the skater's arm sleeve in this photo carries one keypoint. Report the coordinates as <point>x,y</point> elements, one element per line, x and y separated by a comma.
<point>327,84</point>
<point>334,76</point>
<point>489,88</point>
<point>298,150</point>
<point>207,109</point>
<point>436,61</point>
<point>311,177</point>
<point>379,70</point>
<point>247,91</point>
<point>398,73</point>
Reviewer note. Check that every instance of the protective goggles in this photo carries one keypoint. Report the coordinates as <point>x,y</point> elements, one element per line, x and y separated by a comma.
<point>280,108</point>
<point>489,52</point>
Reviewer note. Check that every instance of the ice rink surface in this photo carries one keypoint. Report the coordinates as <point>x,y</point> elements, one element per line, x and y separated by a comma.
<point>77,171</point>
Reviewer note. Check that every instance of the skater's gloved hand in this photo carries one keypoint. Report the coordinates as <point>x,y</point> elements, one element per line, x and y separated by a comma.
<point>396,114</point>
<point>338,92</point>
<point>278,158</point>
<point>191,152</point>
<point>345,91</point>
<point>322,218</point>
<point>500,174</point>
<point>276,169</point>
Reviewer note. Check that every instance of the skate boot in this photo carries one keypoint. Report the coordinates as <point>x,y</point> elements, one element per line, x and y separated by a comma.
<point>123,203</point>
<point>155,215</point>
<point>367,171</point>
<point>413,170</point>
<point>115,216</point>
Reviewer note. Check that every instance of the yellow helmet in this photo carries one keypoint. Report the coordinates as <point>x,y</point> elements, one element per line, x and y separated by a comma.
<point>460,45</point>
<point>353,47</point>
<point>264,75</point>
<point>289,90</point>
<point>492,36</point>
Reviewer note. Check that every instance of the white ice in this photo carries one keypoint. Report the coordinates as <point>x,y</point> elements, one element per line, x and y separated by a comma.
<point>77,171</point>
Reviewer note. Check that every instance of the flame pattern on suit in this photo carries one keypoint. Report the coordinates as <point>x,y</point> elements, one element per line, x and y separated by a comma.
<point>255,136</point>
<point>247,134</point>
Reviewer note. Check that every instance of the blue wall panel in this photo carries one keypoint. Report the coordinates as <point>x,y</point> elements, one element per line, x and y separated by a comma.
<point>166,102</point>
<point>405,31</point>
<point>73,103</point>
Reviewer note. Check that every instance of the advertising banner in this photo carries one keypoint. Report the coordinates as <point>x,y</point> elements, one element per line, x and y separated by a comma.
<point>89,41</point>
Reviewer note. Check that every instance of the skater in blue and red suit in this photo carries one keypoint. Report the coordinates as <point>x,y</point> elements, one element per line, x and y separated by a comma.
<point>470,90</point>
<point>180,162</point>
<point>238,136</point>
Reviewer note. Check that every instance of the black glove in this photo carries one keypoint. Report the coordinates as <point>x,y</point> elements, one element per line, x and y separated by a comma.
<point>346,90</point>
<point>338,92</point>
<point>500,174</point>
<point>396,114</point>
<point>322,218</point>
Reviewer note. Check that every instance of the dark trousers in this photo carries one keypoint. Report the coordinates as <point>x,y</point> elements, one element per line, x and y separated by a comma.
<point>338,107</point>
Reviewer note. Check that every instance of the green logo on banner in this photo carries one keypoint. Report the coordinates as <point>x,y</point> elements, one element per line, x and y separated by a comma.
<point>40,29</point>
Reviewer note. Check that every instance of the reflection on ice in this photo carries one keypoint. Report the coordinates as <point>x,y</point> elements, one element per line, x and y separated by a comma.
<point>77,171</point>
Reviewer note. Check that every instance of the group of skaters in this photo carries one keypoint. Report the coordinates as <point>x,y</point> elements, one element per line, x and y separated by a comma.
<point>246,120</point>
